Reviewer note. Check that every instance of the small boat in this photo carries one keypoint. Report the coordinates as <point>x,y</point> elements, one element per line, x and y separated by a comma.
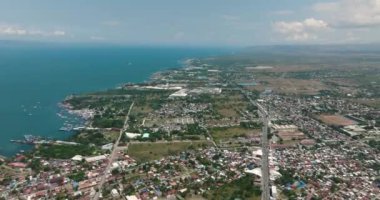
<point>31,138</point>
<point>65,129</point>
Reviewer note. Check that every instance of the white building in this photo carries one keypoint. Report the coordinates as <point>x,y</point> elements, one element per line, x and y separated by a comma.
<point>95,158</point>
<point>107,146</point>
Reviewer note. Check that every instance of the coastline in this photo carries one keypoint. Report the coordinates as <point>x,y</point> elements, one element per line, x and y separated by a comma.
<point>87,114</point>
<point>54,73</point>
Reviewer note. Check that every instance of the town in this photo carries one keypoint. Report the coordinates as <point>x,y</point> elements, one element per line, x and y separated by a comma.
<point>197,132</point>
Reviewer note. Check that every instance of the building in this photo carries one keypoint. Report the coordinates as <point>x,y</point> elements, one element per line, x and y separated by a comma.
<point>276,127</point>
<point>291,135</point>
<point>145,135</point>
<point>107,146</point>
<point>179,93</point>
<point>132,135</point>
<point>77,158</point>
<point>132,197</point>
<point>95,158</point>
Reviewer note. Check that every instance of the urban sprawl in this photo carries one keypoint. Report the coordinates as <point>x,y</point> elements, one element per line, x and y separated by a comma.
<point>210,131</point>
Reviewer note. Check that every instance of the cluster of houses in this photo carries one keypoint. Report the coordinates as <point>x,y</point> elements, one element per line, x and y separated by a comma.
<point>191,172</point>
<point>331,164</point>
<point>77,176</point>
<point>332,171</point>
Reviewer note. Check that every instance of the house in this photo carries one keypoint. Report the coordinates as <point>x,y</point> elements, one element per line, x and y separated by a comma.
<point>145,135</point>
<point>77,158</point>
<point>132,135</point>
<point>95,158</point>
<point>107,146</point>
<point>17,164</point>
<point>132,197</point>
<point>114,193</point>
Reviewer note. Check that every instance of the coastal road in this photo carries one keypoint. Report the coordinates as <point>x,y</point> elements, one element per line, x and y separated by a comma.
<point>113,154</point>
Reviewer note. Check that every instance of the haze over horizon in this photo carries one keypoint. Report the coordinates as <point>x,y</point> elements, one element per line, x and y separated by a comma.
<point>170,22</point>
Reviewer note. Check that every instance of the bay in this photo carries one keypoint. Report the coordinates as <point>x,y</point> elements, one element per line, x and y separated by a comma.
<point>34,78</point>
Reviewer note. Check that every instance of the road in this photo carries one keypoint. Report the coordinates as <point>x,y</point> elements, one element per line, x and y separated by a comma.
<point>112,156</point>
<point>264,160</point>
<point>265,186</point>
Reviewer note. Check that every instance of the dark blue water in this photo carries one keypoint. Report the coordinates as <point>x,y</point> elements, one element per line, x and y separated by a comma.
<point>35,78</point>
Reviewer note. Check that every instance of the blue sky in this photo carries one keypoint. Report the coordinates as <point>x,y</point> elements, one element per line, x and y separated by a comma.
<point>196,22</point>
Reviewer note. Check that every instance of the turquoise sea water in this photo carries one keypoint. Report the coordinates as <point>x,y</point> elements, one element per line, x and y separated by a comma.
<point>35,78</point>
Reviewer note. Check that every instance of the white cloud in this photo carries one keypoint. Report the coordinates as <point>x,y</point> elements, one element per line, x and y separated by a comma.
<point>12,30</point>
<point>351,13</point>
<point>315,24</point>
<point>301,30</point>
<point>59,33</point>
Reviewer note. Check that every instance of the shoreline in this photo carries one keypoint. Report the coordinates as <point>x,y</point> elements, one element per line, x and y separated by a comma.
<point>87,114</point>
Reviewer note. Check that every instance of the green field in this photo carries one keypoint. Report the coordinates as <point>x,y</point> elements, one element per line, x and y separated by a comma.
<point>144,152</point>
<point>64,151</point>
<point>230,132</point>
<point>242,188</point>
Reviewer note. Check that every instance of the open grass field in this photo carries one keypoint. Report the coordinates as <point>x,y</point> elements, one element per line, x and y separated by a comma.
<point>225,133</point>
<point>336,120</point>
<point>229,103</point>
<point>291,85</point>
<point>237,189</point>
<point>375,102</point>
<point>227,112</point>
<point>141,109</point>
<point>144,152</point>
<point>111,135</point>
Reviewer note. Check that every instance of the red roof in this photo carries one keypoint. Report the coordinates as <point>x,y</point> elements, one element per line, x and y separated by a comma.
<point>17,164</point>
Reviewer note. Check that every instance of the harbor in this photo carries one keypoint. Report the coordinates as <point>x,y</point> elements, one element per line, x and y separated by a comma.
<point>37,140</point>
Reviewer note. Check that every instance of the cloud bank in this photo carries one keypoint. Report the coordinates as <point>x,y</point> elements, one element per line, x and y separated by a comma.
<point>12,30</point>
<point>351,13</point>
<point>301,30</point>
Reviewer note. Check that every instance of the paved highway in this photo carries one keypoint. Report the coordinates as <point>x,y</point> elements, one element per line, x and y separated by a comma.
<point>264,160</point>
<point>265,186</point>
<point>112,156</point>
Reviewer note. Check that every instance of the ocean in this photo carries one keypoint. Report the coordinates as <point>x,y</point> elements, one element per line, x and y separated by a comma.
<point>34,78</point>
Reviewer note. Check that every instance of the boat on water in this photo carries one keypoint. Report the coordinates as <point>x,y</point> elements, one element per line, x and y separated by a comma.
<point>31,138</point>
<point>79,128</point>
<point>65,129</point>
<point>28,139</point>
<point>62,116</point>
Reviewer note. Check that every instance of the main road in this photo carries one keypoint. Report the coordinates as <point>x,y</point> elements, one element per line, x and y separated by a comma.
<point>265,195</point>
<point>113,154</point>
<point>264,160</point>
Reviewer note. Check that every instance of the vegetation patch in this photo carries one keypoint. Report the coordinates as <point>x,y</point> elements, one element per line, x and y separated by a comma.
<point>65,151</point>
<point>221,133</point>
<point>242,188</point>
<point>144,152</point>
